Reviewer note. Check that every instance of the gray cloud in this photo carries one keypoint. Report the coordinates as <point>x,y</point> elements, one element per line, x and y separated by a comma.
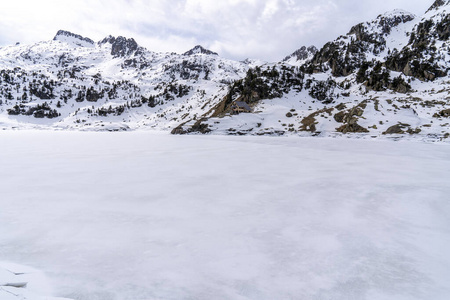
<point>264,29</point>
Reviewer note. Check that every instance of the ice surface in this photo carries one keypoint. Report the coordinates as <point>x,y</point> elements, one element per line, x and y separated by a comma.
<point>142,215</point>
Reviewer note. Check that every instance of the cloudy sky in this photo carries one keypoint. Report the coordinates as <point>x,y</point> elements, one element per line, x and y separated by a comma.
<point>236,29</point>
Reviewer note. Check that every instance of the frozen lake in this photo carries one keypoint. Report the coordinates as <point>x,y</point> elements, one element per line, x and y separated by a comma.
<point>146,216</point>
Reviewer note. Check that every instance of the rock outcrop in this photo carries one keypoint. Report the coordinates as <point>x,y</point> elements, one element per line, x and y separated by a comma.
<point>121,46</point>
<point>77,39</point>
<point>199,50</point>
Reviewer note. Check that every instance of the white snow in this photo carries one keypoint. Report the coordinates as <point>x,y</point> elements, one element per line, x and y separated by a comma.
<point>45,58</point>
<point>145,215</point>
<point>73,41</point>
<point>23,282</point>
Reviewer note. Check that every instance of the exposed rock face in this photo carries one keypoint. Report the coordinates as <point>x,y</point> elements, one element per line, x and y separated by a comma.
<point>443,114</point>
<point>347,53</point>
<point>198,127</point>
<point>261,83</point>
<point>121,46</point>
<point>438,3</point>
<point>396,129</point>
<point>352,128</point>
<point>302,54</point>
<point>350,119</point>
<point>331,56</point>
<point>414,60</point>
<point>199,50</point>
<point>62,34</point>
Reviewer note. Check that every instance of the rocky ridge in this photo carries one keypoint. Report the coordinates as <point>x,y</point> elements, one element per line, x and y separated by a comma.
<point>66,36</point>
<point>199,50</point>
<point>384,77</point>
<point>300,56</point>
<point>437,4</point>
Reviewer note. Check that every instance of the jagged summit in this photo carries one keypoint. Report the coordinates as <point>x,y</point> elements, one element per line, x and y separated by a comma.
<point>120,46</point>
<point>383,24</point>
<point>301,55</point>
<point>69,37</point>
<point>199,50</point>
<point>394,18</point>
<point>438,3</point>
<point>396,12</point>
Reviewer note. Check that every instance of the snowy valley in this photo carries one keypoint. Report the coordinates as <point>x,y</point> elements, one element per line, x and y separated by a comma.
<point>128,174</point>
<point>386,77</point>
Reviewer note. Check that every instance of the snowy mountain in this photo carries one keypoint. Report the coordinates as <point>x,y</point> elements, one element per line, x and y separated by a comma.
<point>386,76</point>
<point>437,4</point>
<point>301,56</point>
<point>75,39</point>
<point>199,50</point>
<point>72,82</point>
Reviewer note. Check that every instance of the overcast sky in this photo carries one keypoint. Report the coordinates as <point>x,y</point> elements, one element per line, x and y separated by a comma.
<point>236,29</point>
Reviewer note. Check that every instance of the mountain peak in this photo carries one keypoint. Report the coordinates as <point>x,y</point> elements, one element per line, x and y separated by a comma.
<point>382,25</point>
<point>301,55</point>
<point>69,37</point>
<point>392,19</point>
<point>438,3</point>
<point>396,13</point>
<point>120,46</point>
<point>199,50</point>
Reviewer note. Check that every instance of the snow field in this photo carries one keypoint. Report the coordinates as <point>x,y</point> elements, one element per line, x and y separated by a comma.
<point>145,215</point>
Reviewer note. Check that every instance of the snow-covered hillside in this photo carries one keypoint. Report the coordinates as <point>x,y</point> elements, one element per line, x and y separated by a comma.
<point>385,77</point>
<point>301,56</point>
<point>72,82</point>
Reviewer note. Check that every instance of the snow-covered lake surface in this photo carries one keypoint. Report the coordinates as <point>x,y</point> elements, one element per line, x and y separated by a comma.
<point>146,216</point>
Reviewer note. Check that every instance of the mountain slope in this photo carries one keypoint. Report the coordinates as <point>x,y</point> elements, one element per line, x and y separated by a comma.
<point>72,82</point>
<point>386,76</point>
<point>301,56</point>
